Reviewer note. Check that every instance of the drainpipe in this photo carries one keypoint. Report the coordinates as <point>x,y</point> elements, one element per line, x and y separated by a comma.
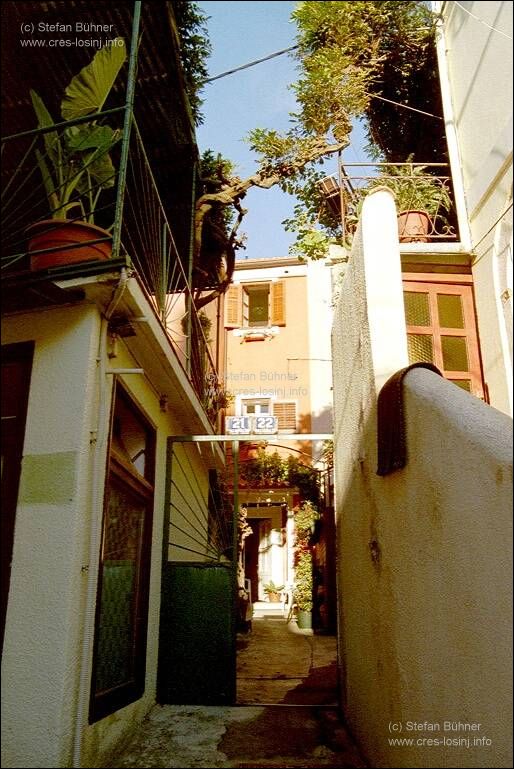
<point>99,437</point>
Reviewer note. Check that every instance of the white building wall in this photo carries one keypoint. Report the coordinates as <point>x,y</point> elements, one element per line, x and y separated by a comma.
<point>424,554</point>
<point>42,638</point>
<point>477,75</point>
<point>47,655</point>
<point>319,307</point>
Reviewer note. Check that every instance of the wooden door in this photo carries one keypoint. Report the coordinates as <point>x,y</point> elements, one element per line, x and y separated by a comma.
<point>441,327</point>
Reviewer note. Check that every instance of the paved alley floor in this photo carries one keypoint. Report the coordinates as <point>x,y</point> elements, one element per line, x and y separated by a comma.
<point>286,716</point>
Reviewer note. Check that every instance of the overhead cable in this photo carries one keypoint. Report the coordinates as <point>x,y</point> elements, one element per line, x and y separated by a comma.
<point>251,64</point>
<point>293,48</point>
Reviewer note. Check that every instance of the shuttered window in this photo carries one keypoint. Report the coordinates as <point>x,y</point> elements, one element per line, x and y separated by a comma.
<point>285,411</point>
<point>233,307</point>
<point>257,305</point>
<point>278,303</point>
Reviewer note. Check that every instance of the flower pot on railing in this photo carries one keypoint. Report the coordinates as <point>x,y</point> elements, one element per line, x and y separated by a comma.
<point>70,241</point>
<point>414,226</point>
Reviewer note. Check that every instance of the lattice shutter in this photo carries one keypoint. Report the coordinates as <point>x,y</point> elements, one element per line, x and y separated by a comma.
<point>286,414</point>
<point>278,303</point>
<point>233,307</point>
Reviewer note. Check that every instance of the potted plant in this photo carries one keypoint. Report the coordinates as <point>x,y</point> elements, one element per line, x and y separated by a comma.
<point>303,587</point>
<point>76,165</point>
<point>305,518</point>
<point>273,591</point>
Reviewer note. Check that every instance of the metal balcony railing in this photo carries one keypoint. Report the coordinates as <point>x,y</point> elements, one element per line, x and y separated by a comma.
<point>420,187</point>
<point>133,224</point>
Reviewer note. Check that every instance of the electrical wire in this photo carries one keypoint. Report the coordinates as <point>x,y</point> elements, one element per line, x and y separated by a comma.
<point>251,64</point>
<point>491,228</point>
<point>293,48</point>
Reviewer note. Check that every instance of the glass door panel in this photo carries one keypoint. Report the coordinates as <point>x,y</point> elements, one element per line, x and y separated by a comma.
<point>441,328</point>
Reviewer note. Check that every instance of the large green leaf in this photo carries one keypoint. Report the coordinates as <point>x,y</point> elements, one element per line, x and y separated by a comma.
<point>48,182</point>
<point>90,136</point>
<point>89,89</point>
<point>44,119</point>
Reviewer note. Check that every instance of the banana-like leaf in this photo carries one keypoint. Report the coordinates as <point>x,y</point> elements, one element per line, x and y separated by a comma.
<point>102,171</point>
<point>52,142</point>
<point>90,137</point>
<point>48,181</point>
<point>89,89</point>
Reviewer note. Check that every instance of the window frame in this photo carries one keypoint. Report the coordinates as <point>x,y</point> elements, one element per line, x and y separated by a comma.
<point>124,476</point>
<point>432,284</point>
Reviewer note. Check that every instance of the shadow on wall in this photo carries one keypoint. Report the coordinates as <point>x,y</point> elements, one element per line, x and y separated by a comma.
<point>424,554</point>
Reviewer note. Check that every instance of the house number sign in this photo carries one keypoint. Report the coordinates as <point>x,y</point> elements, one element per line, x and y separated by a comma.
<point>265,425</point>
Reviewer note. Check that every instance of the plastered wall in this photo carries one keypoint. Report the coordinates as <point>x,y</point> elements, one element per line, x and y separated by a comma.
<point>45,674</point>
<point>477,45</point>
<point>424,554</point>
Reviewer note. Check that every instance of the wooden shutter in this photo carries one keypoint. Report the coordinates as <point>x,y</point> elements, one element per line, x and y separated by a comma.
<point>233,307</point>
<point>278,303</point>
<point>286,415</point>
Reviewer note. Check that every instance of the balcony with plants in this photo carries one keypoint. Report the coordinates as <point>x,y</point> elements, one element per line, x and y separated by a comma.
<point>101,171</point>
<point>423,195</point>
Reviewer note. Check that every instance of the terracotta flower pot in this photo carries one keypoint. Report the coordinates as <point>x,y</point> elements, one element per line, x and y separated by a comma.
<point>53,233</point>
<point>413,226</point>
<point>274,597</point>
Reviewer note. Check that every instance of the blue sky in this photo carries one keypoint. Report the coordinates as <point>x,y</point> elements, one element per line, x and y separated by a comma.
<point>241,32</point>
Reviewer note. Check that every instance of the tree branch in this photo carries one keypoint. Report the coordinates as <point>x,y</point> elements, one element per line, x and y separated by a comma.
<point>234,189</point>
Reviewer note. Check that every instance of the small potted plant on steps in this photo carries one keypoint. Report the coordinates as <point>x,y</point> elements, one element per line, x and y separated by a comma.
<point>273,591</point>
<point>76,166</point>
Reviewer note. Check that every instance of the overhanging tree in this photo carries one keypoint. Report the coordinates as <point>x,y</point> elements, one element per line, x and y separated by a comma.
<point>348,55</point>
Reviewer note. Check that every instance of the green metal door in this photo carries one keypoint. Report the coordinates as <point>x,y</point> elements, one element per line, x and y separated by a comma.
<point>197,648</point>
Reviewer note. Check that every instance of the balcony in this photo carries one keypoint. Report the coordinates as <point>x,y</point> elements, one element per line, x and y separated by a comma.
<point>423,188</point>
<point>137,188</point>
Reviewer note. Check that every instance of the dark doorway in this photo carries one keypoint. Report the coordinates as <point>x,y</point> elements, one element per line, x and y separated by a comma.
<point>16,370</point>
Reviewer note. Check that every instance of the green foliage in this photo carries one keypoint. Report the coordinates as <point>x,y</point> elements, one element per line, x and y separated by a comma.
<point>305,517</point>
<point>214,171</point>
<point>303,586</point>
<point>414,188</point>
<point>351,51</point>
<point>305,478</point>
<point>347,53</point>
<point>265,470</point>
<point>270,469</point>
<point>76,165</point>
<point>195,49</point>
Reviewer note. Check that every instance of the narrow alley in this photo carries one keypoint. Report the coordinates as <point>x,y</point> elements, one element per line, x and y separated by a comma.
<point>287,713</point>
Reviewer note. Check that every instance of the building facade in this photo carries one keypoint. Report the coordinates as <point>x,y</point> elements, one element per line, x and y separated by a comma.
<point>278,316</point>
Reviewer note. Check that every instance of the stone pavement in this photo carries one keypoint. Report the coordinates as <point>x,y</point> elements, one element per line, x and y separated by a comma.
<point>287,714</point>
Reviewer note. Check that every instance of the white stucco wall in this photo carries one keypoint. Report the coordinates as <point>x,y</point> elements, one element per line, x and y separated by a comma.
<point>424,553</point>
<point>319,307</point>
<point>42,639</point>
<point>476,73</point>
<point>46,672</point>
